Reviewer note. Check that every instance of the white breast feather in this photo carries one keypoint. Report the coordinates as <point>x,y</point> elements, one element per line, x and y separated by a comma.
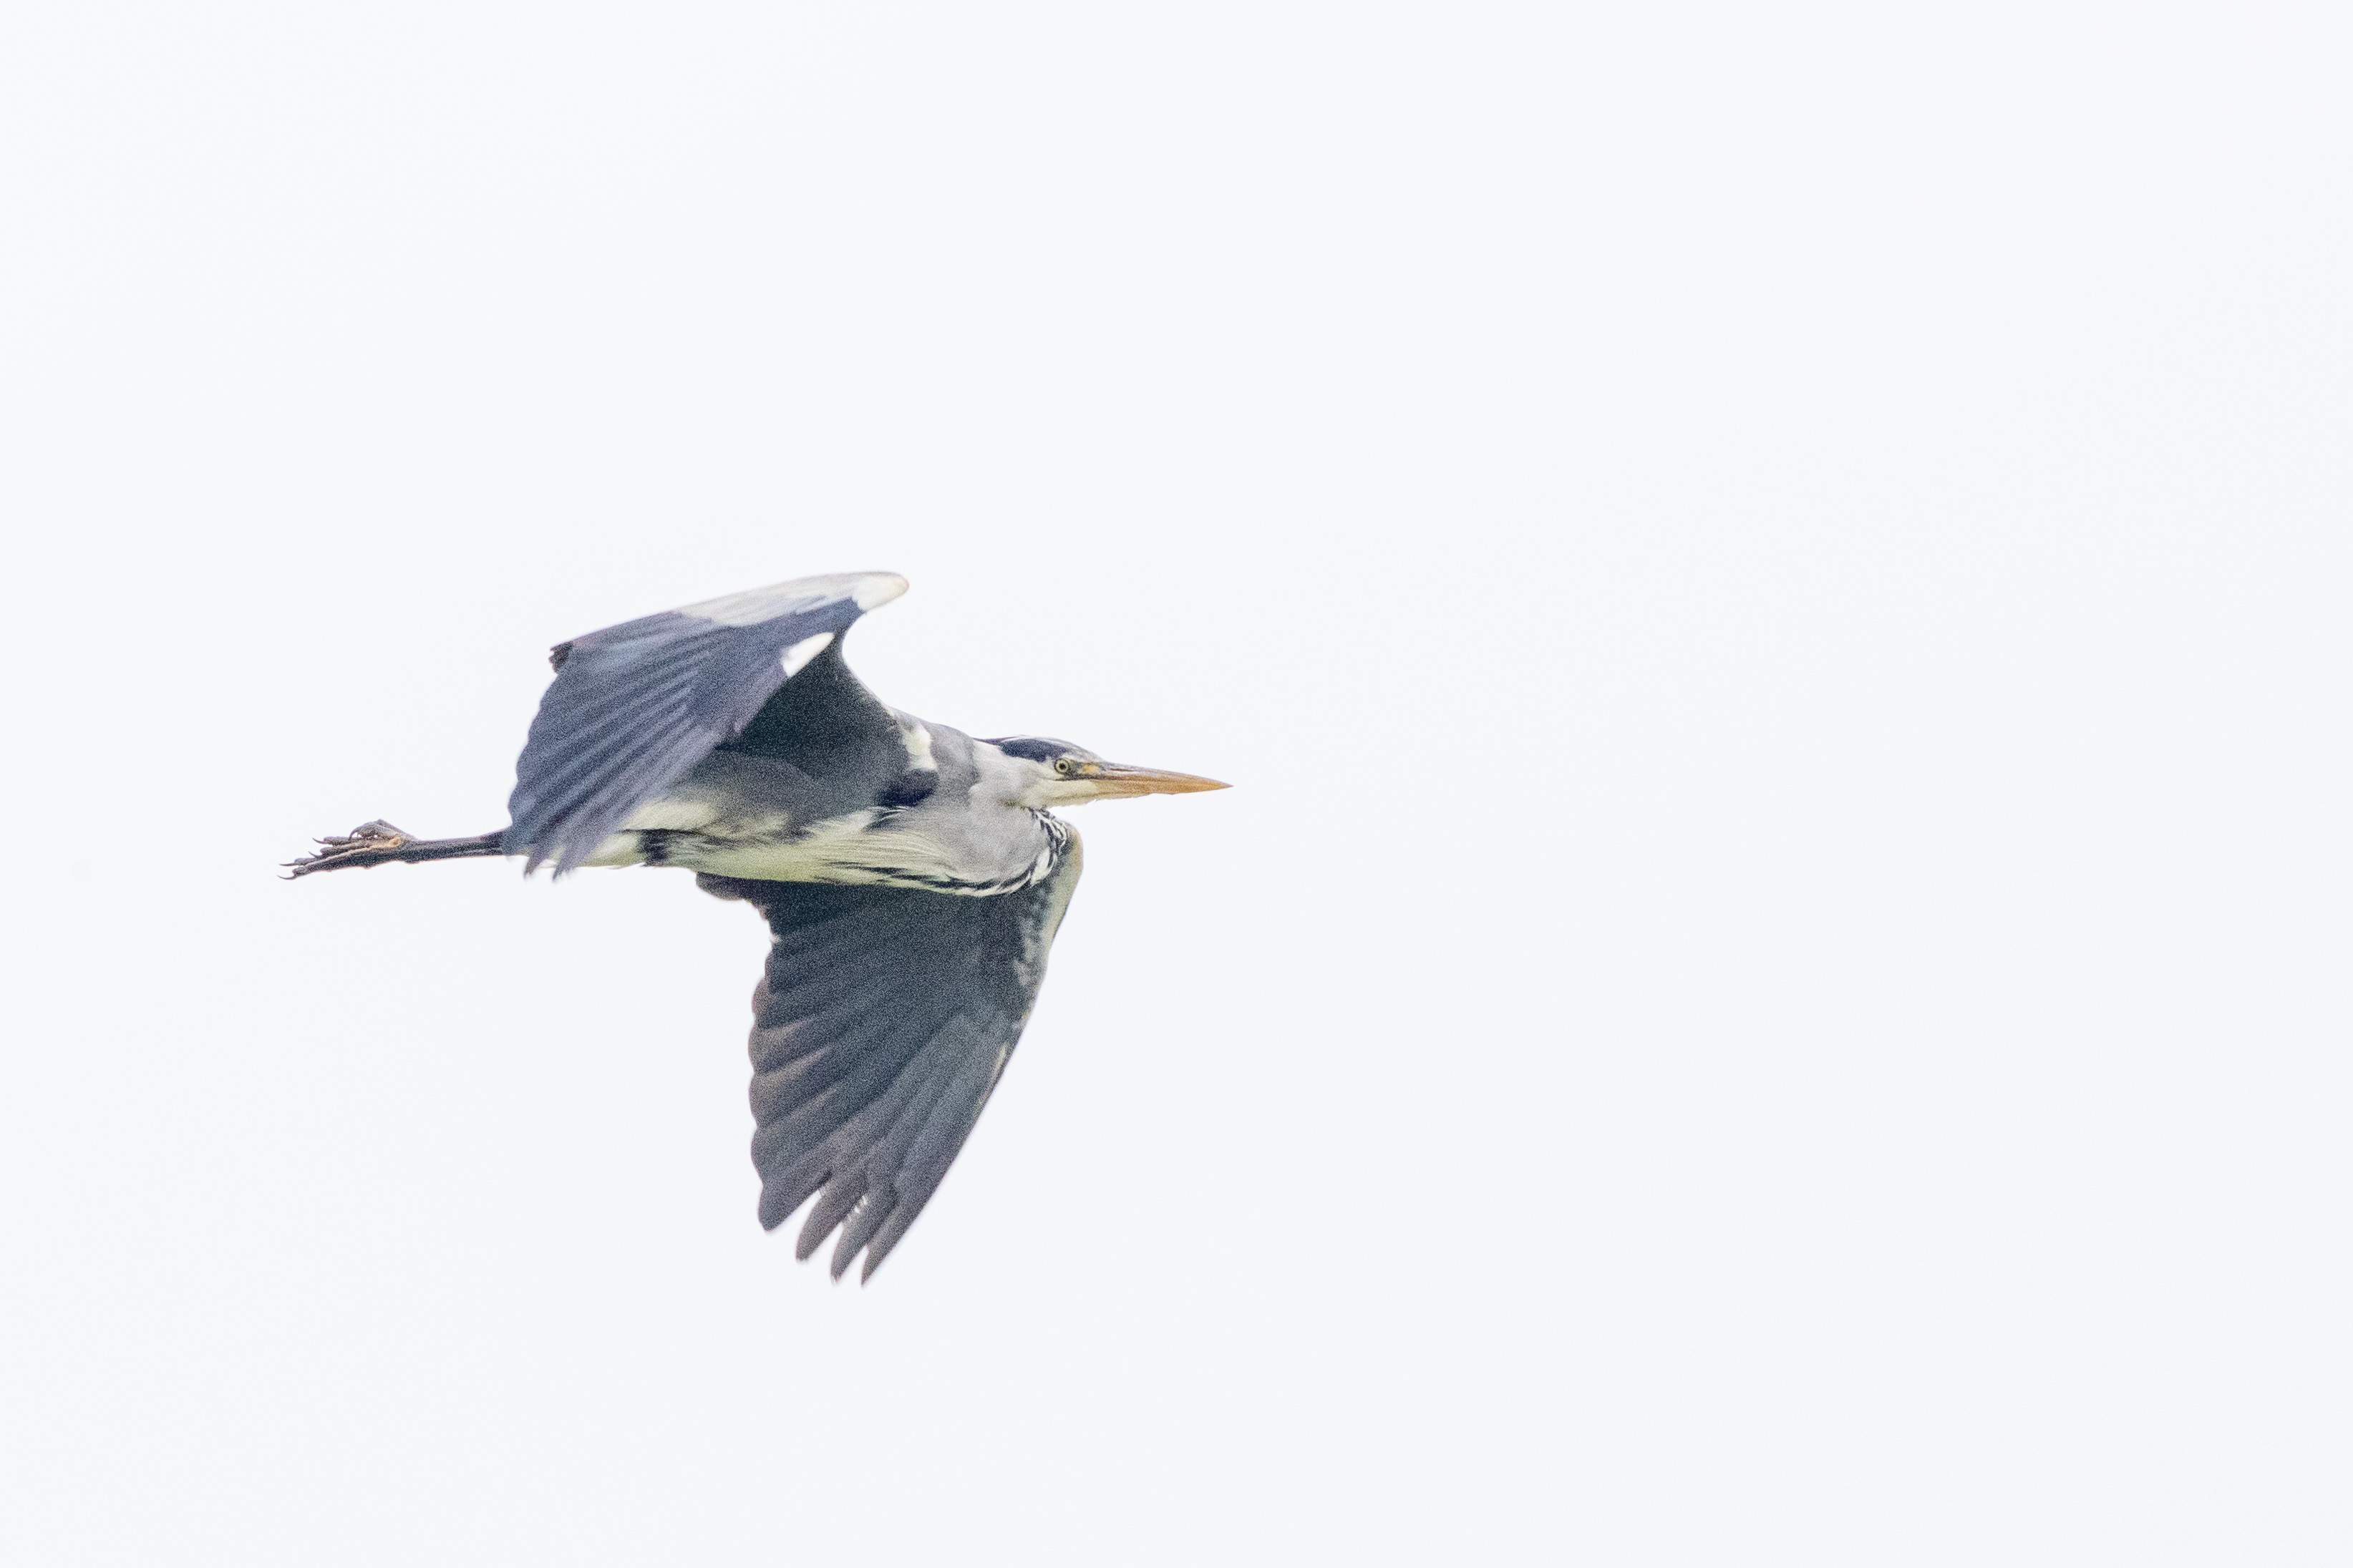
<point>674,813</point>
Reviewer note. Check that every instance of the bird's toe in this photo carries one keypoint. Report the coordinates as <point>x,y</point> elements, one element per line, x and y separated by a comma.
<point>369,844</point>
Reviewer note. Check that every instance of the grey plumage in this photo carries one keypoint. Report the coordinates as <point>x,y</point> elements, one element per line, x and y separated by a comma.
<point>635,705</point>
<point>882,1024</point>
<point>912,877</point>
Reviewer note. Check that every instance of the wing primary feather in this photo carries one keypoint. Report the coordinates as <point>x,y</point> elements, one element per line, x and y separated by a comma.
<point>888,1184</point>
<point>838,1200</point>
<point>833,1132</point>
<point>864,1221</point>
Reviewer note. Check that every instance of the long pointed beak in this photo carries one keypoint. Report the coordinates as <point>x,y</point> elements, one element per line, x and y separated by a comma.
<point>1116,779</point>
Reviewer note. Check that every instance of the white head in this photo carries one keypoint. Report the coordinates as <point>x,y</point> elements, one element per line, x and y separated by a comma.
<point>1046,773</point>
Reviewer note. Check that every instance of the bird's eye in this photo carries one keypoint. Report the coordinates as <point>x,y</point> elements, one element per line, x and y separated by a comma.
<point>1065,766</point>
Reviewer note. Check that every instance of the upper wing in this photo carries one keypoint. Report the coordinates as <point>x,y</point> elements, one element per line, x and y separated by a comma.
<point>635,705</point>
<point>883,1023</point>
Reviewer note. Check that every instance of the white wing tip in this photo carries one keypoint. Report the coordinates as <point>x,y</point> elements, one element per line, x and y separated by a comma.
<point>750,607</point>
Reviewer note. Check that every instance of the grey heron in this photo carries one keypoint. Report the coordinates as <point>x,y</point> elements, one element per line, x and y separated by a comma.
<point>912,876</point>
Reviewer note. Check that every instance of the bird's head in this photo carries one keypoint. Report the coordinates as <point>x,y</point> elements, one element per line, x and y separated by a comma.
<point>1055,772</point>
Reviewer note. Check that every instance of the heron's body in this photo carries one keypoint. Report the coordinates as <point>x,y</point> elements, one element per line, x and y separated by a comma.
<point>947,820</point>
<point>912,877</point>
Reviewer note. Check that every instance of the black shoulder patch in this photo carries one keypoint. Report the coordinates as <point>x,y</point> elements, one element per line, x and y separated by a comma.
<point>910,788</point>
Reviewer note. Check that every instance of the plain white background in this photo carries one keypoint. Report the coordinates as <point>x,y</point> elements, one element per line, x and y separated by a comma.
<point>1772,579</point>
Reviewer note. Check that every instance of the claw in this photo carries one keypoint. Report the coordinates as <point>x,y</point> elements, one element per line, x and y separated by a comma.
<point>369,844</point>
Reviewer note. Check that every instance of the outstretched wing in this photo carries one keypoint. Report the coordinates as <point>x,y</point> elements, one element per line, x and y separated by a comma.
<point>635,705</point>
<point>885,1018</point>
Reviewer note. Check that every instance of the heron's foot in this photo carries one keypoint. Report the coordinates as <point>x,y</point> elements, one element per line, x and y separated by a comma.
<point>370,844</point>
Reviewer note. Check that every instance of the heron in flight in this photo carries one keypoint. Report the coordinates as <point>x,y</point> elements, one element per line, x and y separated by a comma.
<point>912,877</point>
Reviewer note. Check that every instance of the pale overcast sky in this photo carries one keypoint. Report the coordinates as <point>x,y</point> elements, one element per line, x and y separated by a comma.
<point>1773,584</point>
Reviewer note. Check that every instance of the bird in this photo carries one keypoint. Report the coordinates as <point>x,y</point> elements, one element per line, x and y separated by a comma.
<point>912,877</point>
